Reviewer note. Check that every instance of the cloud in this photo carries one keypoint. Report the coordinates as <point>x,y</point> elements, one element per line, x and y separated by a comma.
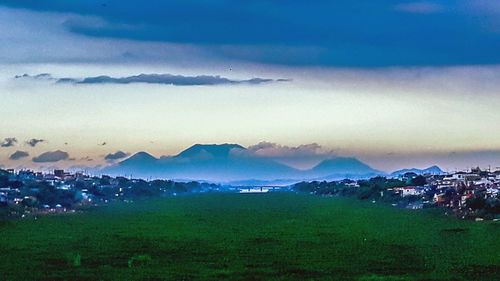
<point>34,142</point>
<point>301,156</point>
<point>177,80</point>
<point>8,142</point>
<point>51,156</point>
<point>43,36</point>
<point>42,76</point>
<point>115,156</point>
<point>323,34</point>
<point>167,79</point>
<point>18,155</point>
<point>420,7</point>
<point>270,149</point>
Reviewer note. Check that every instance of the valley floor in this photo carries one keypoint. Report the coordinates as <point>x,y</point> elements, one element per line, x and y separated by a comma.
<point>275,236</point>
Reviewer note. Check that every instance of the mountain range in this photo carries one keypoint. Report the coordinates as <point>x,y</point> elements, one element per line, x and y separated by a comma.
<point>233,163</point>
<point>433,170</point>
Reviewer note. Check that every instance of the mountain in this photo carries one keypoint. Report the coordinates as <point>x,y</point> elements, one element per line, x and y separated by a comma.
<point>225,162</point>
<point>141,157</point>
<point>433,170</point>
<point>233,163</point>
<point>343,167</point>
<point>138,164</point>
<point>215,150</point>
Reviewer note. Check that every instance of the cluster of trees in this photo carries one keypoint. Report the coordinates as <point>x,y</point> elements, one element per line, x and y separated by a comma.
<point>488,208</point>
<point>366,189</point>
<point>141,189</point>
<point>324,188</point>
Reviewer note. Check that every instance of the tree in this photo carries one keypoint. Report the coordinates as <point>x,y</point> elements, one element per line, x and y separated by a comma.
<point>476,203</point>
<point>4,180</point>
<point>418,181</point>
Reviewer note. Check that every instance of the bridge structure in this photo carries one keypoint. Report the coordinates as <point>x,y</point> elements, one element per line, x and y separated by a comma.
<point>262,188</point>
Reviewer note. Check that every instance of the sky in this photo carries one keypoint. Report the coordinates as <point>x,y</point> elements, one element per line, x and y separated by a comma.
<point>395,84</point>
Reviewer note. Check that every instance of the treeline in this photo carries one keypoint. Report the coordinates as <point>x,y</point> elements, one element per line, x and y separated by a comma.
<point>377,188</point>
<point>362,189</point>
<point>488,208</point>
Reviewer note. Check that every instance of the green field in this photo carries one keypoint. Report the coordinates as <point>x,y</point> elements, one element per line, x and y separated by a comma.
<point>249,237</point>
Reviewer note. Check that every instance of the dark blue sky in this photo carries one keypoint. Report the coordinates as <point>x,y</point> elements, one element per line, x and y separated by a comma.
<point>320,33</point>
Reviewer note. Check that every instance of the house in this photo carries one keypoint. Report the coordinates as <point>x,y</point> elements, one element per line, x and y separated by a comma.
<point>483,183</point>
<point>411,191</point>
<point>438,198</point>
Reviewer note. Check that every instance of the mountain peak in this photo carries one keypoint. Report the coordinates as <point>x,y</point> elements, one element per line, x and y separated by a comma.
<point>435,167</point>
<point>215,150</point>
<point>434,170</point>
<point>141,156</point>
<point>340,161</point>
<point>343,165</point>
<point>140,163</point>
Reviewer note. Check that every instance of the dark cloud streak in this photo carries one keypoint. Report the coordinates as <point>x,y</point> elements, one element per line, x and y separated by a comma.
<point>34,142</point>
<point>18,155</point>
<point>8,142</point>
<point>51,156</point>
<point>115,156</point>
<point>166,79</point>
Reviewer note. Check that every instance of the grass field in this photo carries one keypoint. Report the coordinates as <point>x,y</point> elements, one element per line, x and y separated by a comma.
<point>249,237</point>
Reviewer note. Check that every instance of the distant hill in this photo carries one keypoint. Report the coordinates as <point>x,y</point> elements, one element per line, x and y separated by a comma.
<point>343,167</point>
<point>233,163</point>
<point>139,164</point>
<point>433,170</point>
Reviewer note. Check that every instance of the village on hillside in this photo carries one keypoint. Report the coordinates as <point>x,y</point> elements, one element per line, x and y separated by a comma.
<point>472,194</point>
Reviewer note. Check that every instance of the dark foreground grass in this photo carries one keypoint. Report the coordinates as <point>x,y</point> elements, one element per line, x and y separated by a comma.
<point>249,237</point>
